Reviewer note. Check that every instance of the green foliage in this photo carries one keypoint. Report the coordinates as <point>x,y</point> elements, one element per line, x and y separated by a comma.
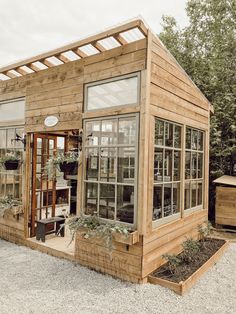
<point>91,226</point>
<point>206,49</point>
<point>53,162</point>
<point>173,262</point>
<point>205,230</point>
<point>9,157</point>
<point>191,248</point>
<point>8,202</point>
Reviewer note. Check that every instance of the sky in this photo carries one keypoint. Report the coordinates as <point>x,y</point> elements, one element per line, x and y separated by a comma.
<point>29,27</point>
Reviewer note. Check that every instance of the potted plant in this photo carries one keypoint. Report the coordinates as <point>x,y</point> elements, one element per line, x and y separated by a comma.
<point>66,163</point>
<point>10,161</point>
<point>92,227</point>
<point>10,203</point>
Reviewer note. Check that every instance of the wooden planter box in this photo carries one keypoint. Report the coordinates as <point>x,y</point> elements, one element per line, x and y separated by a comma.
<point>183,286</point>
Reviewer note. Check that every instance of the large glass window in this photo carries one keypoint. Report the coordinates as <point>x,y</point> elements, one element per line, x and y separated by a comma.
<point>111,168</point>
<point>11,181</point>
<point>167,167</point>
<point>118,92</point>
<point>194,162</point>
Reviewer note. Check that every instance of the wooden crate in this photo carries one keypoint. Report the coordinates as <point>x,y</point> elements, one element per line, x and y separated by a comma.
<point>225,206</point>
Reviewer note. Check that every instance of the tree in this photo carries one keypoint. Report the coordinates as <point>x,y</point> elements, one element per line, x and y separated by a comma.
<point>206,49</point>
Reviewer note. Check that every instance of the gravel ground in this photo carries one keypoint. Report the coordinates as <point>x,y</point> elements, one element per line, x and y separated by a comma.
<point>32,282</point>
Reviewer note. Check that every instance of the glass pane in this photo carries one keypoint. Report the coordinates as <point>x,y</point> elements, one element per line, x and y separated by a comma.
<point>125,203</point>
<point>187,164</point>
<point>91,198</point>
<point>60,144</point>
<point>157,202</point>
<point>14,110</point>
<point>126,165</point>
<point>168,165</point>
<point>92,164</point>
<point>3,138</point>
<point>108,164</point>
<point>11,135</point>
<point>194,193</point>
<point>158,165</point>
<point>177,165</point>
<point>177,136</point>
<point>159,132</point>
<point>117,93</point>
<point>127,131</point>
<point>176,198</point>
<point>188,138</point>
<point>194,139</point>
<point>20,133</point>
<point>187,195</point>
<point>10,184</point>
<point>168,134</point>
<point>200,140</point>
<point>167,200</point>
<point>109,132</point>
<point>92,133</point>
<point>199,193</point>
<point>194,165</point>
<point>200,165</point>
<point>107,201</point>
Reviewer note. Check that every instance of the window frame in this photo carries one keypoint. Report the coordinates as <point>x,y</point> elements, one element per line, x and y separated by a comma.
<point>110,80</point>
<point>115,183</point>
<point>190,180</point>
<point>160,221</point>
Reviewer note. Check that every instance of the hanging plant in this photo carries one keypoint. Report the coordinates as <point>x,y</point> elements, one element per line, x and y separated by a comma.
<point>10,161</point>
<point>62,162</point>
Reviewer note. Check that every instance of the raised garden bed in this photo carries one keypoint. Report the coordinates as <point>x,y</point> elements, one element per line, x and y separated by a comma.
<point>187,274</point>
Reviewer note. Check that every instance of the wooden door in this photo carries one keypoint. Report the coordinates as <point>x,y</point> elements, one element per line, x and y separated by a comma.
<point>43,188</point>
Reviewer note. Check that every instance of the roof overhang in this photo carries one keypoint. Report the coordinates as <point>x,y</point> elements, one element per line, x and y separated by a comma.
<point>115,37</point>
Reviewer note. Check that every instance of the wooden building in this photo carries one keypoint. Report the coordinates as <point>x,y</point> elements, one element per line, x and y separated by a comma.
<point>145,147</point>
<point>225,213</point>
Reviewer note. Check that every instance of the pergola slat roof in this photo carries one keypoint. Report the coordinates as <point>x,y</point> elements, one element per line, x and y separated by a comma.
<point>112,38</point>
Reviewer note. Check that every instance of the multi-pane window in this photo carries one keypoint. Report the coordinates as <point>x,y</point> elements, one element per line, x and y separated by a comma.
<point>167,167</point>
<point>194,161</point>
<point>11,181</point>
<point>111,166</point>
<point>118,92</point>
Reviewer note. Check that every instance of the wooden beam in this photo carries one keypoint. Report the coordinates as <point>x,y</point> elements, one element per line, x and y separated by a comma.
<point>120,39</point>
<point>10,74</point>
<point>98,46</point>
<point>21,71</point>
<point>80,53</point>
<point>108,33</point>
<point>63,58</point>
<point>33,67</point>
<point>48,63</point>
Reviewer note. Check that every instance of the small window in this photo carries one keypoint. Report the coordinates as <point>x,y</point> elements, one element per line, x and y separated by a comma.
<point>113,93</point>
<point>12,110</point>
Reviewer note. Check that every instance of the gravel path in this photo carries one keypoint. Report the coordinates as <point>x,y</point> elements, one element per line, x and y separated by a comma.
<point>32,282</point>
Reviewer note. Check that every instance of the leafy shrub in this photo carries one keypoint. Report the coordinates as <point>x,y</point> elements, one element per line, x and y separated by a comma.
<point>191,248</point>
<point>173,262</point>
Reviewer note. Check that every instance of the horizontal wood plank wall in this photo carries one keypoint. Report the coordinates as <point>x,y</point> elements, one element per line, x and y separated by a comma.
<point>226,205</point>
<point>174,97</point>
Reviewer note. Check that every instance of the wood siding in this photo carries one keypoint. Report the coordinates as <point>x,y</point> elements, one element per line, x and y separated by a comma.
<point>226,206</point>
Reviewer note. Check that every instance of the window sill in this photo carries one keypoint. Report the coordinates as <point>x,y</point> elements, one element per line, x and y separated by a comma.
<point>162,221</point>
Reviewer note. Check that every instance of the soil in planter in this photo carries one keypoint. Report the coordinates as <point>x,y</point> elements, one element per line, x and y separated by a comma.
<point>183,271</point>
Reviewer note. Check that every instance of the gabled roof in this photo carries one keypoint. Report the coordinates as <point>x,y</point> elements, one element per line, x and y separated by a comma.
<point>112,38</point>
<point>227,180</point>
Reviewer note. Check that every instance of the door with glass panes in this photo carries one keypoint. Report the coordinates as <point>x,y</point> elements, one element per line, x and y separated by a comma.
<point>43,187</point>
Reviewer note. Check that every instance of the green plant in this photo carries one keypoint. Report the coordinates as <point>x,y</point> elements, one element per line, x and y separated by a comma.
<point>8,202</point>
<point>91,226</point>
<point>173,262</point>
<point>191,248</point>
<point>53,162</point>
<point>205,230</point>
<point>9,157</point>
